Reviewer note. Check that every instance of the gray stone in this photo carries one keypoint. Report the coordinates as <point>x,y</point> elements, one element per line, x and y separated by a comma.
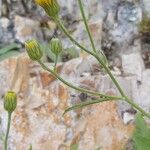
<point>6,31</point>
<point>133,64</point>
<point>141,92</point>
<point>26,29</point>
<point>129,12</point>
<point>146,4</point>
<point>128,117</point>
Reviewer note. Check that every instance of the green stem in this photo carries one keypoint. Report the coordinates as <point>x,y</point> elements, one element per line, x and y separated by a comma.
<point>55,69</point>
<point>124,97</point>
<point>86,25</point>
<point>7,133</point>
<point>111,76</point>
<point>83,104</point>
<point>62,27</point>
<point>94,49</point>
<point>137,107</point>
<point>74,87</point>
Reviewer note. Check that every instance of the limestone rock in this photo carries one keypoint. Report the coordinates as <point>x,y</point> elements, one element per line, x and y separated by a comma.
<point>141,92</point>
<point>38,118</point>
<point>26,29</point>
<point>146,4</point>
<point>6,34</point>
<point>133,64</point>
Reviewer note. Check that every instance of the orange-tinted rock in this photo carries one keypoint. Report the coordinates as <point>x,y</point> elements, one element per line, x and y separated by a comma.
<point>41,102</point>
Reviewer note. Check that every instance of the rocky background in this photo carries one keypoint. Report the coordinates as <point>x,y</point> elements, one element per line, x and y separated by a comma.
<point>38,120</point>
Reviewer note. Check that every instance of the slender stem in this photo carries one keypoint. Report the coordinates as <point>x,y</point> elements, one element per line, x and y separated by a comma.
<point>7,133</point>
<point>61,26</point>
<point>55,69</point>
<point>74,87</point>
<point>94,49</point>
<point>124,97</point>
<point>111,76</point>
<point>137,107</point>
<point>86,25</point>
<point>83,104</point>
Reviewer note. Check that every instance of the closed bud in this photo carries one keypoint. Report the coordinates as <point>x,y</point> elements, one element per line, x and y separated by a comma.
<point>51,7</point>
<point>10,101</point>
<point>33,49</point>
<point>56,46</point>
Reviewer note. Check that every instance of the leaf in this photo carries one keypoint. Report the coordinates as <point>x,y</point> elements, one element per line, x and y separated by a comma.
<point>141,136</point>
<point>141,143</point>
<point>141,126</point>
<point>83,104</point>
<point>74,147</point>
<point>8,54</point>
<point>12,46</point>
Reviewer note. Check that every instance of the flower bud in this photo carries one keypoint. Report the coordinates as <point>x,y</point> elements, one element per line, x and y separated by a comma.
<point>33,49</point>
<point>51,7</point>
<point>56,46</point>
<point>10,101</point>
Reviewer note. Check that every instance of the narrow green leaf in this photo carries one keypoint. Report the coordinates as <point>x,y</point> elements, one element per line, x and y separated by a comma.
<point>141,143</point>
<point>9,54</point>
<point>83,104</point>
<point>12,46</point>
<point>141,126</point>
<point>141,136</point>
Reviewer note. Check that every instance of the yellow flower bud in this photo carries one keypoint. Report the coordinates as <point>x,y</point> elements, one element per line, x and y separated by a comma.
<point>33,49</point>
<point>51,7</point>
<point>10,101</point>
<point>56,46</point>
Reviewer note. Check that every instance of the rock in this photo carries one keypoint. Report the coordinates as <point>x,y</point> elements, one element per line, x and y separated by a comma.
<point>101,132</point>
<point>133,64</point>
<point>129,12</point>
<point>146,4</point>
<point>128,117</point>
<point>73,69</point>
<point>141,92</point>
<point>26,29</point>
<point>6,34</point>
<point>96,31</point>
<point>38,118</point>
